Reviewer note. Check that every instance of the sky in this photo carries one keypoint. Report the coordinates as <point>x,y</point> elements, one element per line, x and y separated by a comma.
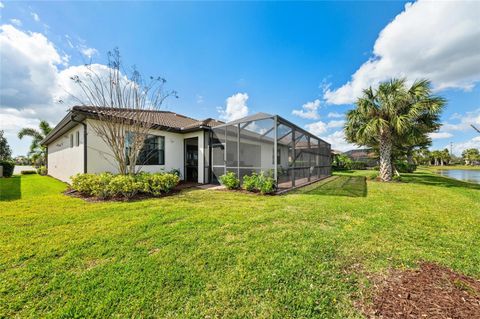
<point>305,61</point>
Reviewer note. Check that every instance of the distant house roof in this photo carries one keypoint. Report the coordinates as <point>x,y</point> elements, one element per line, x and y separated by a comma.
<point>164,120</point>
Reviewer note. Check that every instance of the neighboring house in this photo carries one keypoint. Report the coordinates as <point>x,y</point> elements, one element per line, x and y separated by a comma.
<point>366,156</point>
<point>200,150</point>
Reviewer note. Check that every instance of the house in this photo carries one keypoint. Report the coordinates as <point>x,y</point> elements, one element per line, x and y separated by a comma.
<point>202,150</point>
<point>367,156</point>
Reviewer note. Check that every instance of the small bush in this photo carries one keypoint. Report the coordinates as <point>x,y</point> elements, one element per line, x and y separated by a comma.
<point>175,171</point>
<point>28,172</point>
<point>262,183</point>
<point>8,167</point>
<point>230,180</point>
<point>397,178</point>
<point>124,185</point>
<point>157,184</point>
<point>100,185</point>
<point>42,170</point>
<point>250,182</point>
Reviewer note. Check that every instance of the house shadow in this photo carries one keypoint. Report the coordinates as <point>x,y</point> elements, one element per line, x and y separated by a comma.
<point>437,180</point>
<point>349,186</point>
<point>10,188</point>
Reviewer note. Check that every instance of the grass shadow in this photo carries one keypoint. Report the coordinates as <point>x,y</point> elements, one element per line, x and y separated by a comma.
<point>350,186</point>
<point>10,188</point>
<point>426,178</point>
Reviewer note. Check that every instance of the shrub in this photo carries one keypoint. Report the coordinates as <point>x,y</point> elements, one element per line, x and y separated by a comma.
<point>230,180</point>
<point>124,185</point>
<point>263,183</point>
<point>28,172</point>
<point>157,184</point>
<point>397,178</point>
<point>250,182</point>
<point>42,170</point>
<point>8,167</point>
<point>175,171</point>
<point>106,185</point>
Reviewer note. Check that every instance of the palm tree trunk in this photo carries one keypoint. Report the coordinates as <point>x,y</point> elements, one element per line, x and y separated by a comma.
<point>410,157</point>
<point>385,158</point>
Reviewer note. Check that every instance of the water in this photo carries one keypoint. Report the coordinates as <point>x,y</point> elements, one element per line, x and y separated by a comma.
<point>472,176</point>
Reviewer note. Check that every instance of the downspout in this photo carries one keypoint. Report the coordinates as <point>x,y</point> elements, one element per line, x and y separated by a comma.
<point>72,118</point>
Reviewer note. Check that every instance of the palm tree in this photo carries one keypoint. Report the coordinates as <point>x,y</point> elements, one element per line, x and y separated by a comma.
<point>387,114</point>
<point>36,150</point>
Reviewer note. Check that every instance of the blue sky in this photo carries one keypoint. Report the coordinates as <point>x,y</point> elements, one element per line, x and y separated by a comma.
<point>303,61</point>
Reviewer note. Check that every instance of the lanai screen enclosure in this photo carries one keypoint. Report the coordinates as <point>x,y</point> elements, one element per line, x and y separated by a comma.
<point>249,144</point>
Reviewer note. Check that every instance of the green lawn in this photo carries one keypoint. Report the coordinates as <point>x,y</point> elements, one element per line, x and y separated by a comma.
<point>216,254</point>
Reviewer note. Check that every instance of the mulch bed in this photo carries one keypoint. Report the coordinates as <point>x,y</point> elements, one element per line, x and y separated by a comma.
<point>432,291</point>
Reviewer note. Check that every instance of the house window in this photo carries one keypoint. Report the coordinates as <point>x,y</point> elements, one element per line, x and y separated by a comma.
<point>71,140</point>
<point>152,152</point>
<point>78,138</point>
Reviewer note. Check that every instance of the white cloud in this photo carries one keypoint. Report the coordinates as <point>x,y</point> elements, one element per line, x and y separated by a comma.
<point>16,22</point>
<point>335,115</point>
<point>317,128</point>
<point>338,142</point>
<point>236,107</point>
<point>458,148</point>
<point>199,99</point>
<point>309,110</point>
<point>35,16</point>
<point>2,5</point>
<point>439,41</point>
<point>336,123</point>
<point>31,82</point>
<point>88,52</point>
<point>464,121</point>
<point>440,135</point>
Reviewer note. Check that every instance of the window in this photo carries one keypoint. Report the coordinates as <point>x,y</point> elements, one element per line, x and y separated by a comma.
<point>78,138</point>
<point>71,140</point>
<point>152,152</point>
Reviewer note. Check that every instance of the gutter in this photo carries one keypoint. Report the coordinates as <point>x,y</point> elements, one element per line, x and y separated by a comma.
<point>72,118</point>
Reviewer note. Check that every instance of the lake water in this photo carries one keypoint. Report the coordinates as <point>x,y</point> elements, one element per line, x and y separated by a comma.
<point>472,176</point>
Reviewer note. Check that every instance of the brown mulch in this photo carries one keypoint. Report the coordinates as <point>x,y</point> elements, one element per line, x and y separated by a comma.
<point>432,291</point>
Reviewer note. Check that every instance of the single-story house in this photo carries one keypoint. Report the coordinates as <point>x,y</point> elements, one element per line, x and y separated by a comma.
<point>202,150</point>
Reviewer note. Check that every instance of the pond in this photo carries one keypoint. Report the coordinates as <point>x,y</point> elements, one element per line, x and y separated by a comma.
<point>472,176</point>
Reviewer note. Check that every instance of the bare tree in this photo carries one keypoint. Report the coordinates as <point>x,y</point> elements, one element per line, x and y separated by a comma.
<point>123,106</point>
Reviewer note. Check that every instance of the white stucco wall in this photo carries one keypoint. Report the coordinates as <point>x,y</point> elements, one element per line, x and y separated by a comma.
<point>65,161</point>
<point>100,158</point>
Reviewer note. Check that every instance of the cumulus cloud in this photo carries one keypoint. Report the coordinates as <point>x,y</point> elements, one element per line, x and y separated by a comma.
<point>439,41</point>
<point>464,121</point>
<point>317,128</point>
<point>308,110</point>
<point>2,5</point>
<point>236,107</point>
<point>440,135</point>
<point>32,81</point>
<point>338,142</point>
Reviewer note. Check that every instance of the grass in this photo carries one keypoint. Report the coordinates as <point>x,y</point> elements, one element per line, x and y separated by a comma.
<point>448,167</point>
<point>226,255</point>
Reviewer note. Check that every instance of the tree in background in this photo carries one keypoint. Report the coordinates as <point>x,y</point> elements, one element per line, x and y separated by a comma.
<point>37,152</point>
<point>5,151</point>
<point>388,114</point>
<point>471,156</point>
<point>108,94</point>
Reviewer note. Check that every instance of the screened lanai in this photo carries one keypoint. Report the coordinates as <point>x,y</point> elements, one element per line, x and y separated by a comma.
<point>249,144</point>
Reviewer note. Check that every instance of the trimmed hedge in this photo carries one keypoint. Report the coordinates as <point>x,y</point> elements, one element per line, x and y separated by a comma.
<point>263,183</point>
<point>107,185</point>
<point>42,170</point>
<point>8,167</point>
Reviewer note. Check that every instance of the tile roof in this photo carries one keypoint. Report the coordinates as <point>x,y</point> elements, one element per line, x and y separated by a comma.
<point>165,119</point>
